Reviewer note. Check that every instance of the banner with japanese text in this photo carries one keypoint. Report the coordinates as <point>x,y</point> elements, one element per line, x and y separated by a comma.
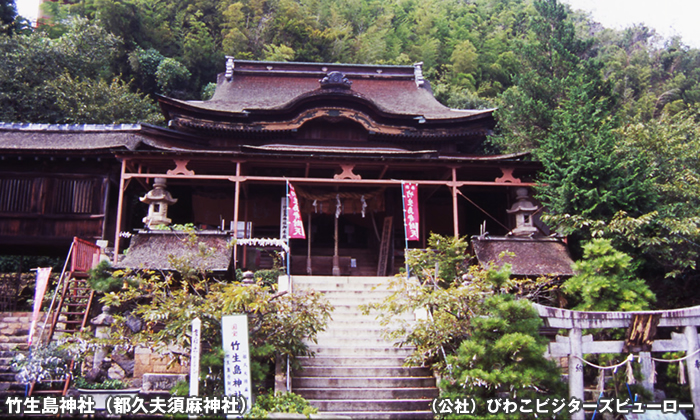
<point>296,224</point>
<point>42,281</point>
<point>410,211</point>
<point>237,358</point>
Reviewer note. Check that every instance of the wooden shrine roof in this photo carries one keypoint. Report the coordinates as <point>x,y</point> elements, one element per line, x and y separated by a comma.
<point>156,250</point>
<point>268,86</point>
<point>69,137</point>
<point>536,256</point>
<point>273,97</point>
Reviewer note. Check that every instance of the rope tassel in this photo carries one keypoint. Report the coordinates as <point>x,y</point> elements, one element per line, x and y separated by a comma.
<point>630,372</point>
<point>653,372</point>
<point>601,381</point>
<point>681,373</point>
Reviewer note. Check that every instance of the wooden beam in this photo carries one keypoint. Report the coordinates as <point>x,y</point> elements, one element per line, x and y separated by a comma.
<point>455,207</point>
<point>120,204</point>
<point>236,203</point>
<point>328,181</point>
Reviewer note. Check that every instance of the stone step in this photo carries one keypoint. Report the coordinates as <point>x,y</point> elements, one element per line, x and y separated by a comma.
<point>346,331</point>
<point>344,298</point>
<point>372,405</point>
<point>341,279</point>
<point>343,317</point>
<point>11,386</point>
<point>386,361</point>
<point>7,377</point>
<point>380,415</point>
<point>14,346</point>
<point>378,351</point>
<point>360,382</point>
<point>353,342</point>
<point>364,372</point>
<point>22,338</point>
<point>366,393</point>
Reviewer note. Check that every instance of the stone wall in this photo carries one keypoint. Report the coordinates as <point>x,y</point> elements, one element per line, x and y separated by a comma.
<point>146,361</point>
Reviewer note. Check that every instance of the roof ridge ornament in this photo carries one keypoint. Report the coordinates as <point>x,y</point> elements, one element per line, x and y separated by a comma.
<point>229,67</point>
<point>418,74</point>
<point>335,79</point>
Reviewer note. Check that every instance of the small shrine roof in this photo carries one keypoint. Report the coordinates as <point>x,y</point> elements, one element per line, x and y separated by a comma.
<point>536,256</point>
<point>54,137</point>
<point>155,249</point>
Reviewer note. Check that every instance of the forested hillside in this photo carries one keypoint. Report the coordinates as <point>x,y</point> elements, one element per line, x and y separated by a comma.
<point>612,115</point>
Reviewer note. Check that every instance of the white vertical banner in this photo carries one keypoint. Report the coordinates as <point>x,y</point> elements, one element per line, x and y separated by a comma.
<point>194,356</point>
<point>42,281</point>
<point>237,358</point>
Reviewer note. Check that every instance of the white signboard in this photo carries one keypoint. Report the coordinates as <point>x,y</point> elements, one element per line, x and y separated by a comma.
<point>237,358</point>
<point>283,219</point>
<point>194,356</point>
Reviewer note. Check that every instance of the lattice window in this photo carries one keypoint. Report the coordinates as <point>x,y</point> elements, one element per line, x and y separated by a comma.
<point>15,195</point>
<point>72,196</point>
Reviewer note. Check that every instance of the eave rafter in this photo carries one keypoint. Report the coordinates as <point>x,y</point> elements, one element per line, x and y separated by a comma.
<point>292,124</point>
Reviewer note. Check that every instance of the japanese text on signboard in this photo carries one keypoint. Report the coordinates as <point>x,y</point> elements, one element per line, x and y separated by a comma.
<point>410,211</point>
<point>296,224</point>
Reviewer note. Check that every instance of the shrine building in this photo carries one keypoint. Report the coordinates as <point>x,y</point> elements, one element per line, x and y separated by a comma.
<point>344,137</point>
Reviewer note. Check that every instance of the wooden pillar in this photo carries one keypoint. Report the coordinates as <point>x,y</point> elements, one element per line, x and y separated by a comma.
<point>336,258</point>
<point>647,371</point>
<point>576,370</point>
<point>455,210</point>
<point>308,247</point>
<point>246,219</point>
<point>120,204</point>
<point>236,203</point>
<point>693,363</point>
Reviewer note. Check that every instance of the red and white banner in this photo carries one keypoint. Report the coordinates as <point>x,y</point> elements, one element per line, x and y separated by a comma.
<point>296,224</point>
<point>42,280</point>
<point>410,211</point>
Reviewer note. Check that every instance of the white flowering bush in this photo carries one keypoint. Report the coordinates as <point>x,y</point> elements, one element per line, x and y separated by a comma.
<point>43,363</point>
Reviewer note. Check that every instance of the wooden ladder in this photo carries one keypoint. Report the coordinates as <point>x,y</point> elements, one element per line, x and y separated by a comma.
<point>75,302</point>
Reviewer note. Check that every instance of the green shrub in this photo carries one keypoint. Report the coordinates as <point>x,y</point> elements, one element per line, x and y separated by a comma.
<point>280,402</point>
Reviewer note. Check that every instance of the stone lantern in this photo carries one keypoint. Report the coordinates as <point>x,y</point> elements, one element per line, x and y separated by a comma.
<point>523,209</point>
<point>158,200</point>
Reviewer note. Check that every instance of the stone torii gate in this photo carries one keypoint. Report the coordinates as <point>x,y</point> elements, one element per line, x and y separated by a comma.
<point>574,346</point>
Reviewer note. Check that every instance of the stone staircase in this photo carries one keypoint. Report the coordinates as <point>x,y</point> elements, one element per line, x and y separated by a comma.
<point>356,372</point>
<point>14,330</point>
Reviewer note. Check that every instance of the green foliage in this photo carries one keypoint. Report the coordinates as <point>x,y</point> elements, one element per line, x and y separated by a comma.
<point>278,323</point>
<point>605,281</point>
<point>444,260</point>
<point>280,402</point>
<point>8,13</point>
<point>583,173</point>
<point>101,280</point>
<point>451,303</point>
<point>502,358</point>
<point>482,340</point>
<point>67,79</point>
<point>171,76</point>
<point>81,382</point>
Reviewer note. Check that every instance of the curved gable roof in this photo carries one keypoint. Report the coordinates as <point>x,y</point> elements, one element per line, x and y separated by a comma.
<point>262,88</point>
